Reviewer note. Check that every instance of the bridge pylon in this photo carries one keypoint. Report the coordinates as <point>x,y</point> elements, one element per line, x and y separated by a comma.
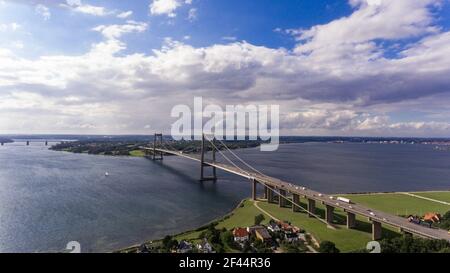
<point>202,162</point>
<point>155,140</point>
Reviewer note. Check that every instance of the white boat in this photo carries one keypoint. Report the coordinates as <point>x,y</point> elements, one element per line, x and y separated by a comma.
<point>106,174</point>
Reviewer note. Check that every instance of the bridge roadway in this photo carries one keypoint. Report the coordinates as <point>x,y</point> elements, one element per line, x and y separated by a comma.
<point>282,188</point>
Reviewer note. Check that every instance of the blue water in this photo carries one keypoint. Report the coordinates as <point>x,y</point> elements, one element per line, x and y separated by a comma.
<point>49,198</point>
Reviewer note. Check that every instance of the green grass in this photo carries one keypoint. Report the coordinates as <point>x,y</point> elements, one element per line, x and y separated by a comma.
<point>400,204</point>
<point>440,196</point>
<point>137,153</point>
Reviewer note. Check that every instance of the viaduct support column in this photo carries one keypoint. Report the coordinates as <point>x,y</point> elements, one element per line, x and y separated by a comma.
<point>281,198</point>
<point>254,183</point>
<point>295,202</point>
<point>311,207</point>
<point>266,192</point>
<point>351,220</point>
<point>376,230</point>
<point>329,214</point>
<point>270,195</point>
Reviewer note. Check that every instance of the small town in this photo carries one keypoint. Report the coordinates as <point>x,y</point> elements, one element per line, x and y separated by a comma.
<point>276,237</point>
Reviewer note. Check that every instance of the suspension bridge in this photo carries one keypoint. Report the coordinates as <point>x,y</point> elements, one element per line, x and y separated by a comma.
<point>288,194</point>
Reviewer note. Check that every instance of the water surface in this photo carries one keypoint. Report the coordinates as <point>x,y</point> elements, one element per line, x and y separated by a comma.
<point>49,198</point>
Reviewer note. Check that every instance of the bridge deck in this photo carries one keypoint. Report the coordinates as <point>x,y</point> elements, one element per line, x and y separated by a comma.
<point>325,199</point>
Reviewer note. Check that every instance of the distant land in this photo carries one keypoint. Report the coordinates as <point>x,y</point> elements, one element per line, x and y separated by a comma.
<point>283,139</point>
<point>129,145</point>
<point>5,140</point>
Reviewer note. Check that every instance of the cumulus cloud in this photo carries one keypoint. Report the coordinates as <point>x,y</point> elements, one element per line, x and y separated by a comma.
<point>324,85</point>
<point>167,7</point>
<point>78,6</point>
<point>116,31</point>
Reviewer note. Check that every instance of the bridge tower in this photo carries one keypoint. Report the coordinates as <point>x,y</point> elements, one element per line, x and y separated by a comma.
<point>155,140</point>
<point>202,162</point>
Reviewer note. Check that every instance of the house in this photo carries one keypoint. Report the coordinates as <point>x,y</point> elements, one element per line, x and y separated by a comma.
<point>432,217</point>
<point>184,247</point>
<point>291,237</point>
<point>252,229</point>
<point>143,249</point>
<point>263,235</point>
<point>240,235</point>
<point>205,247</point>
<point>274,227</point>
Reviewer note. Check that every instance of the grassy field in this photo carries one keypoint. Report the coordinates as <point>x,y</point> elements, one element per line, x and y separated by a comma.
<point>441,196</point>
<point>137,153</point>
<point>401,204</point>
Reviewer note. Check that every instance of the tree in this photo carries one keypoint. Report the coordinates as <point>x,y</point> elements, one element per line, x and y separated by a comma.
<point>328,247</point>
<point>258,219</point>
<point>227,238</point>
<point>169,243</point>
<point>409,244</point>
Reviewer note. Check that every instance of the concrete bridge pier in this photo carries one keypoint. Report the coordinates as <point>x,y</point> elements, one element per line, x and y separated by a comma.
<point>311,207</point>
<point>329,214</point>
<point>254,192</point>
<point>376,230</point>
<point>351,220</point>
<point>28,143</point>
<point>270,195</point>
<point>295,202</point>
<point>46,143</point>
<point>282,198</point>
<point>266,192</point>
<point>3,143</point>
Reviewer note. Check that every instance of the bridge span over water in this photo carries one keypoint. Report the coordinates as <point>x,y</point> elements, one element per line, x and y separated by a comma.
<point>285,193</point>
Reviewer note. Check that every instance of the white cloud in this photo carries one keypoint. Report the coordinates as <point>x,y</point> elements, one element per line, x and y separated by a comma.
<point>124,15</point>
<point>167,7</point>
<point>334,87</point>
<point>43,11</point>
<point>78,6</point>
<point>10,27</point>
<point>116,31</point>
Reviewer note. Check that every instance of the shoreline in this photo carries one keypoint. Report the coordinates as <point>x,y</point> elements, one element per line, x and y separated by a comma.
<point>200,228</point>
<point>239,205</point>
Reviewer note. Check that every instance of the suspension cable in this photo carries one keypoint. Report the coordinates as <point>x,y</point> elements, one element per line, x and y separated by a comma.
<point>273,190</point>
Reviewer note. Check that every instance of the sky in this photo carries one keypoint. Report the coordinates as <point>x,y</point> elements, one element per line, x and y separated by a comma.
<point>347,68</point>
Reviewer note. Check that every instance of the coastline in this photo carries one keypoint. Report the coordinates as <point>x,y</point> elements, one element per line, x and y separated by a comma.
<point>200,228</point>
<point>310,231</point>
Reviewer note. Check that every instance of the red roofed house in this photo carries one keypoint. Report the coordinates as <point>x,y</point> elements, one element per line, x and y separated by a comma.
<point>432,217</point>
<point>240,234</point>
